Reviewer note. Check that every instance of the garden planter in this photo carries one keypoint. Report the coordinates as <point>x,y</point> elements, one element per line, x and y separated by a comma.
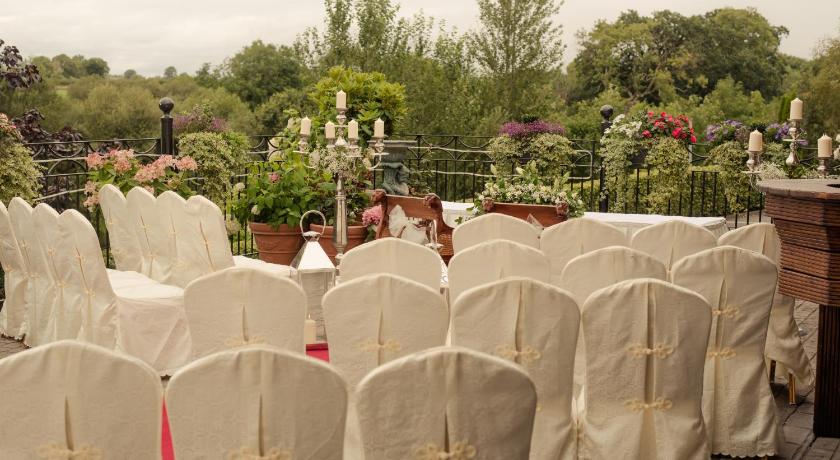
<point>356,235</point>
<point>546,215</point>
<point>277,246</point>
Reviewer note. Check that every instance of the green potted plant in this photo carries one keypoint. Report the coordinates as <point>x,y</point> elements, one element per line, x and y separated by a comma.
<point>271,204</point>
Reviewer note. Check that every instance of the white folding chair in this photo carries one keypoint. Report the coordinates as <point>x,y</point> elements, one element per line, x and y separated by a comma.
<point>672,240</point>
<point>133,313</point>
<point>65,318</point>
<point>396,257</point>
<point>645,351</point>
<point>69,399</point>
<point>14,312</point>
<point>494,260</point>
<point>121,229</point>
<point>494,226</point>
<point>738,406</point>
<point>564,241</point>
<point>783,342</point>
<point>244,306</point>
<point>154,233</point>
<point>284,406</point>
<point>535,325</point>
<point>449,403</point>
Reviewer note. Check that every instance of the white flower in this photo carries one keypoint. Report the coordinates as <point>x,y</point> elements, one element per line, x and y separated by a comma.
<point>255,210</point>
<point>239,187</point>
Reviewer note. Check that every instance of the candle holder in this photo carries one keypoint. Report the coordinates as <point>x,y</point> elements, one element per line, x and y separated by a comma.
<point>822,169</point>
<point>795,137</point>
<point>754,161</point>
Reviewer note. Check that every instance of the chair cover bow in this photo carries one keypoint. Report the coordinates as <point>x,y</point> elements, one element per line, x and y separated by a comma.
<point>461,450</point>
<point>728,312</point>
<point>248,453</point>
<point>57,451</point>
<point>660,350</point>
<point>527,355</point>
<point>637,405</point>
<point>373,345</point>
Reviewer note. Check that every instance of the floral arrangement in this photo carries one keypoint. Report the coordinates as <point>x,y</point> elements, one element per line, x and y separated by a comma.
<point>527,186</point>
<point>725,131</point>
<point>124,169</point>
<point>200,119</point>
<point>538,141</point>
<point>7,129</point>
<point>666,125</point>
<point>331,163</point>
<point>778,132</point>
<point>19,174</point>
<point>519,131</point>
<point>371,218</point>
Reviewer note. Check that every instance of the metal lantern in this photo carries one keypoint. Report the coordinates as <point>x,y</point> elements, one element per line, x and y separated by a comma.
<point>312,259</point>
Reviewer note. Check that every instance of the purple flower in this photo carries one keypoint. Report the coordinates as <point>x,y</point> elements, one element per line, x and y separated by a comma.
<point>520,131</point>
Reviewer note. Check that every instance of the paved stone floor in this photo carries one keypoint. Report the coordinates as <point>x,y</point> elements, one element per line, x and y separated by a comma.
<point>799,439</point>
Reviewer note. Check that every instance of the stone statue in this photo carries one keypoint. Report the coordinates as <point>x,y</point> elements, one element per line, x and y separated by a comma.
<point>395,173</point>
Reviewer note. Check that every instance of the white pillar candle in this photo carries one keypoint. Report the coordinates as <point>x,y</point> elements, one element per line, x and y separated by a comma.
<point>756,142</point>
<point>329,130</point>
<point>379,128</point>
<point>796,109</point>
<point>340,100</point>
<point>353,129</point>
<point>309,331</point>
<point>291,123</point>
<point>824,147</point>
<point>305,126</point>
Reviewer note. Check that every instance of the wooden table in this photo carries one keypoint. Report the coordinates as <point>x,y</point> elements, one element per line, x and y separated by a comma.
<point>807,216</point>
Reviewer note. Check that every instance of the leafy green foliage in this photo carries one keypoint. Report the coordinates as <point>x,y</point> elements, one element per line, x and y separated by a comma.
<point>668,159</point>
<point>260,70</point>
<point>729,159</point>
<point>19,174</point>
<point>220,157</point>
<point>528,185</point>
<point>550,153</point>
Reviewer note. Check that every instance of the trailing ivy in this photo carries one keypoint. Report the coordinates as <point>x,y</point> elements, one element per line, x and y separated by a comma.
<point>220,156</point>
<point>670,173</point>
<point>19,174</point>
<point>550,152</point>
<point>729,160</point>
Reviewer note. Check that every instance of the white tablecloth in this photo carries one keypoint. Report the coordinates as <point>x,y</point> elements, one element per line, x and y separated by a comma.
<point>452,211</point>
<point>630,223</point>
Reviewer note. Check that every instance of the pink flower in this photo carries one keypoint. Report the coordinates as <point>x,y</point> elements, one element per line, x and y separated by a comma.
<point>676,133</point>
<point>165,161</point>
<point>91,201</point>
<point>186,164</point>
<point>122,164</point>
<point>372,216</point>
<point>147,173</point>
<point>149,188</point>
<point>646,134</point>
<point>693,139</point>
<point>274,177</point>
<point>90,187</point>
<point>94,160</point>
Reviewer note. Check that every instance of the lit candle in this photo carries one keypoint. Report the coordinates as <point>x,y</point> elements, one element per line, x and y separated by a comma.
<point>379,128</point>
<point>305,126</point>
<point>291,123</point>
<point>309,331</point>
<point>756,142</point>
<point>824,147</point>
<point>329,130</point>
<point>341,100</point>
<point>796,109</point>
<point>353,129</point>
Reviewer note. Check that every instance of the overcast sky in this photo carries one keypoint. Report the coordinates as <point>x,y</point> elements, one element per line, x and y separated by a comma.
<point>149,35</point>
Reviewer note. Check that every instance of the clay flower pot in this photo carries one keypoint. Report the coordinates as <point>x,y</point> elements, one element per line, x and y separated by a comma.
<point>356,235</point>
<point>277,246</point>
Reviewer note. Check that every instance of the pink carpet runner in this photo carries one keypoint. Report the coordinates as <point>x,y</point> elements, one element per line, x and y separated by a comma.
<point>318,351</point>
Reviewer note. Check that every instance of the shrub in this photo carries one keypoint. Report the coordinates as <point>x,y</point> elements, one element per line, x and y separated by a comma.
<point>551,153</point>
<point>220,157</point>
<point>19,174</point>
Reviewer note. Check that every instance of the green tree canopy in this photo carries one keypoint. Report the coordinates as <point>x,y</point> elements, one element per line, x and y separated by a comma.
<point>260,70</point>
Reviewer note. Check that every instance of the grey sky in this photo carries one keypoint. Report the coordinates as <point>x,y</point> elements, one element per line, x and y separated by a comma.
<point>149,35</point>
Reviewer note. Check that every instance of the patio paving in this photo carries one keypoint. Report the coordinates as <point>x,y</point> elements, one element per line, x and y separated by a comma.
<point>800,442</point>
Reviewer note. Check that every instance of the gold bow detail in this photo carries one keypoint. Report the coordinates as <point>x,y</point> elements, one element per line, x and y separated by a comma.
<point>236,342</point>
<point>527,355</point>
<point>728,312</point>
<point>248,453</point>
<point>660,350</point>
<point>373,345</point>
<point>637,405</point>
<point>723,353</point>
<point>57,451</point>
<point>460,451</point>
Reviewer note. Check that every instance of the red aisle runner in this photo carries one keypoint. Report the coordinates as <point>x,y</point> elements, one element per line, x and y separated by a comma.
<point>317,350</point>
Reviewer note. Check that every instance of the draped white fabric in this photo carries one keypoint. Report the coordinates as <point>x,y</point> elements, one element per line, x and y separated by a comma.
<point>257,403</point>
<point>494,226</point>
<point>494,260</point>
<point>396,257</point>
<point>65,318</point>
<point>535,325</point>
<point>171,207</point>
<point>121,234</point>
<point>783,342</point>
<point>13,314</point>
<point>136,314</point>
<point>672,240</point>
<point>70,400</point>
<point>646,345</point>
<point>738,405</point>
<point>154,234</point>
<point>564,241</point>
<point>40,287</point>
<point>451,403</point>
<point>242,306</point>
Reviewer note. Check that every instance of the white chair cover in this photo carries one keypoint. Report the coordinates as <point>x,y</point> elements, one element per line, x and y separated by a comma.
<point>448,403</point>
<point>70,400</point>
<point>494,260</point>
<point>136,315</point>
<point>396,257</point>
<point>243,306</point>
<point>783,343</point>
<point>121,229</point>
<point>565,241</point>
<point>738,405</point>
<point>13,314</point>
<point>172,207</point>
<point>41,287</point>
<point>646,345</point>
<point>672,240</point>
<point>494,226</point>
<point>257,403</point>
<point>534,325</point>
<point>154,233</point>
<point>66,318</point>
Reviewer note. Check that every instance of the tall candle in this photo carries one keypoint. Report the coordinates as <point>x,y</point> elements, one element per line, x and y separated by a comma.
<point>305,126</point>
<point>353,129</point>
<point>796,109</point>
<point>309,331</point>
<point>756,142</point>
<point>329,130</point>
<point>824,147</point>
<point>291,123</point>
<point>341,100</point>
<point>379,128</point>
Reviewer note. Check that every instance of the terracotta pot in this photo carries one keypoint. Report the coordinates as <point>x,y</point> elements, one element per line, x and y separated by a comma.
<point>546,215</point>
<point>356,235</point>
<point>277,246</point>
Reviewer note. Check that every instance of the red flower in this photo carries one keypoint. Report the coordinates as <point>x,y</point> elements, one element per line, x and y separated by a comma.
<point>646,133</point>
<point>676,133</point>
<point>693,139</point>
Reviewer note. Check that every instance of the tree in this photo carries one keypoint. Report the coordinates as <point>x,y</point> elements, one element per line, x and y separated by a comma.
<point>260,70</point>
<point>130,73</point>
<point>517,46</point>
<point>170,72</point>
<point>13,71</point>
<point>822,89</point>
<point>96,66</point>
<point>119,112</point>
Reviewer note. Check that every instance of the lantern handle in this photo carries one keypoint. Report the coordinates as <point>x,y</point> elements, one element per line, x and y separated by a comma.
<point>313,211</point>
